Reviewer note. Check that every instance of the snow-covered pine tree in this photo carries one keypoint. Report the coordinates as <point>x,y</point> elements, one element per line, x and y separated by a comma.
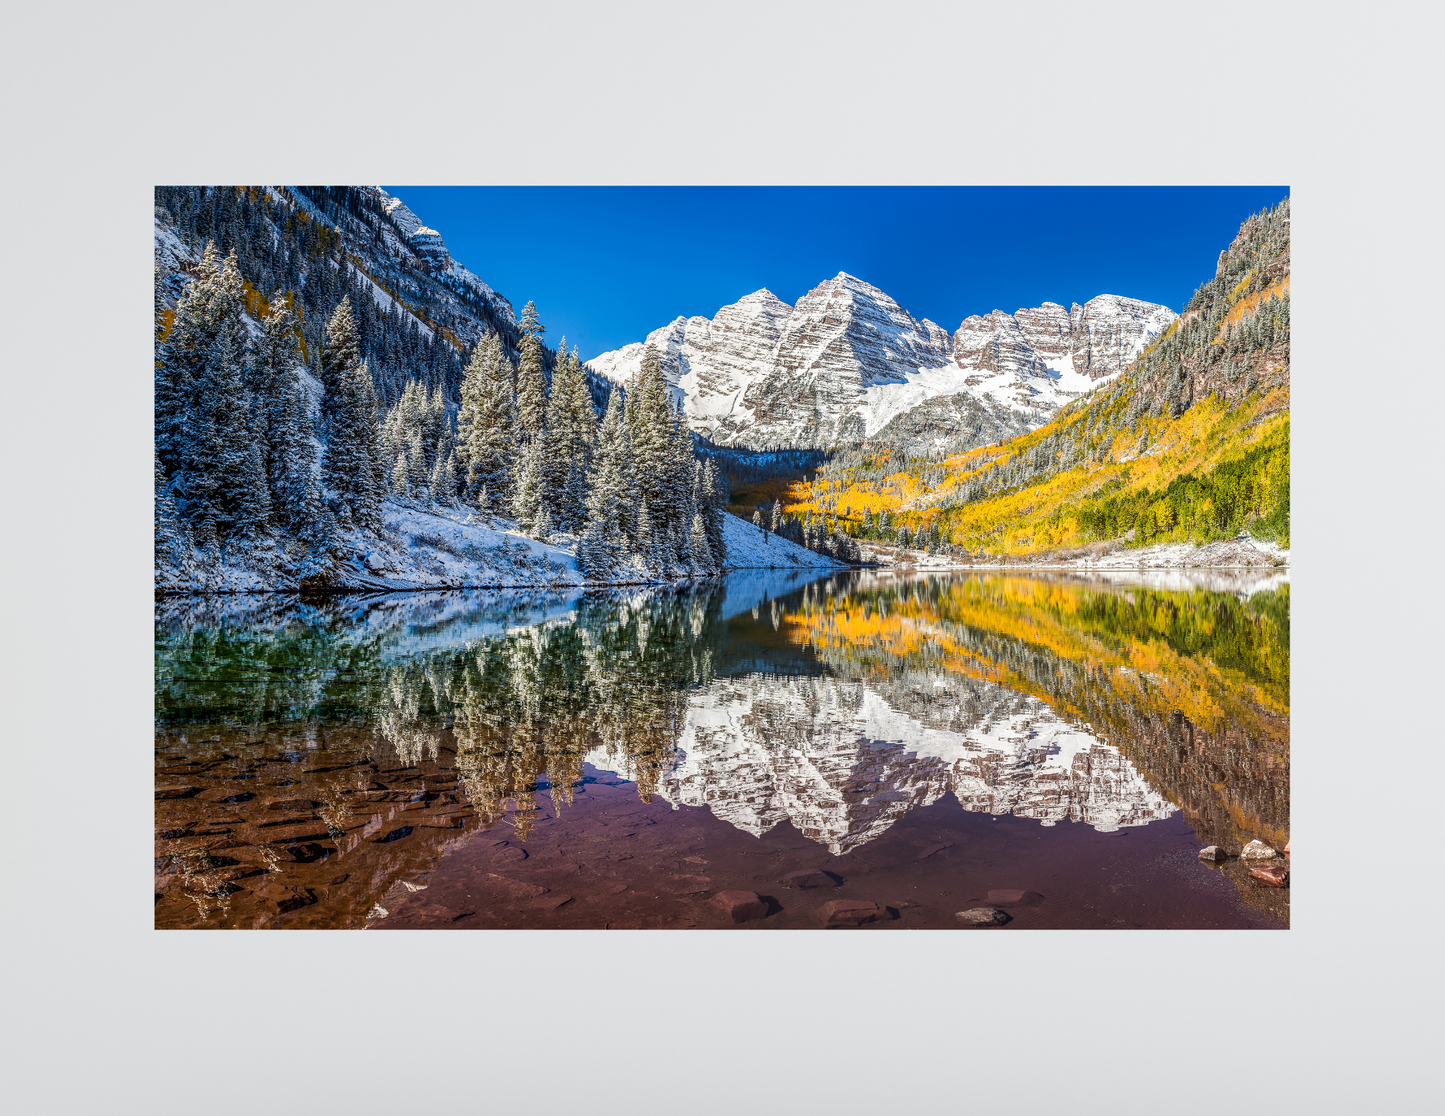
<point>531,380</point>
<point>400,477</point>
<point>295,497</point>
<point>352,452</point>
<point>776,516</point>
<point>486,424</point>
<point>529,493</point>
<point>181,358</point>
<point>700,551</point>
<point>714,507</point>
<point>252,513</point>
<point>571,437</point>
<point>215,484</point>
<point>279,419</point>
<point>647,430</point>
<point>611,488</point>
<point>443,479</point>
<point>679,490</point>
<point>644,541</point>
<point>341,352</point>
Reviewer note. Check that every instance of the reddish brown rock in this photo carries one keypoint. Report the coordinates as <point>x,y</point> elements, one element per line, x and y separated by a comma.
<point>1275,875</point>
<point>1014,897</point>
<point>812,877</point>
<point>982,916</point>
<point>850,912</point>
<point>741,906</point>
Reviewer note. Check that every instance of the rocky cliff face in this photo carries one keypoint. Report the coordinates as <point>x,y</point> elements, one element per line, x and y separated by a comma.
<point>427,244</point>
<point>847,364</point>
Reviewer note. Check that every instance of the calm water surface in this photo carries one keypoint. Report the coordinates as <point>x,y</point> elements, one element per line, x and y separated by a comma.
<point>475,760</point>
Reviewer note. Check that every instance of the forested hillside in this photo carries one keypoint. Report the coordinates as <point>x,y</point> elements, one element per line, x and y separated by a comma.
<point>1190,443</point>
<point>327,377</point>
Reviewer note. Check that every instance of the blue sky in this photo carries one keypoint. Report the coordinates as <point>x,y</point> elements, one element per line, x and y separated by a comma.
<point>606,265</point>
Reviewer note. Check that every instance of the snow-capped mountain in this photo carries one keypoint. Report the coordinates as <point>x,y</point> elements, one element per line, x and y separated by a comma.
<point>849,364</point>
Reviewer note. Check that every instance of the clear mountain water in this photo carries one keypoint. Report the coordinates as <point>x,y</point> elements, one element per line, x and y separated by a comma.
<point>474,760</point>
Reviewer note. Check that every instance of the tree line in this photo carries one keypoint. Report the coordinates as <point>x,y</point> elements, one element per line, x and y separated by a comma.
<point>244,454</point>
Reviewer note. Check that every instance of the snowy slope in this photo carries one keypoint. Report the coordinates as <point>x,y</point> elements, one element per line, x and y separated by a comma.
<point>435,547</point>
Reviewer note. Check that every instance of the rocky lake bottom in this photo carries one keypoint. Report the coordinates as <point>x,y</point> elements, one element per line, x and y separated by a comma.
<point>776,751</point>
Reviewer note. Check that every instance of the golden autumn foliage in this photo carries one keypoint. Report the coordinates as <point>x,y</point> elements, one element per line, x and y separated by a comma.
<point>1207,655</point>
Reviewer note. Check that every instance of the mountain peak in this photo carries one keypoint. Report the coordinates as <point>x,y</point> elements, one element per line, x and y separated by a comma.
<point>848,361</point>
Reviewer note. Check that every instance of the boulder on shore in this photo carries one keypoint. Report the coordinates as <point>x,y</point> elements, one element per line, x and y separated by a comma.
<point>1272,875</point>
<point>1212,853</point>
<point>1257,850</point>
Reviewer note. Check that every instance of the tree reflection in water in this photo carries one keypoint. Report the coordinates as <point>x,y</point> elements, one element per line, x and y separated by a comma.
<point>296,741</point>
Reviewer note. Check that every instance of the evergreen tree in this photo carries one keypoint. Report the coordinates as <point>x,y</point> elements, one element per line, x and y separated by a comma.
<point>341,353</point>
<point>611,488</point>
<point>352,457</point>
<point>647,430</point>
<point>529,495</point>
<point>279,419</point>
<point>486,424</point>
<point>571,439</point>
<point>644,541</point>
<point>531,380</point>
<point>700,551</point>
<point>181,360</point>
<point>713,506</point>
<point>295,498</point>
<point>203,439</point>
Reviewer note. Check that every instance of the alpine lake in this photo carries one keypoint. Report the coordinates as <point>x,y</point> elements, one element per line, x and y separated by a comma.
<point>868,749</point>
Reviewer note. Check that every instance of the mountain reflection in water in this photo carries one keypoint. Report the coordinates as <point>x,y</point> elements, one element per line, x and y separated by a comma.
<point>316,762</point>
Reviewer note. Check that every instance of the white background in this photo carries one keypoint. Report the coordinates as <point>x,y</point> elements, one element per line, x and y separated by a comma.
<point>105,1015</point>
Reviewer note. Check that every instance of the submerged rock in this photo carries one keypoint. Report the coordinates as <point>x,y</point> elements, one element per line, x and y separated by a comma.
<point>811,877</point>
<point>1257,850</point>
<point>982,916</point>
<point>741,906</point>
<point>850,912</point>
<point>1014,897</point>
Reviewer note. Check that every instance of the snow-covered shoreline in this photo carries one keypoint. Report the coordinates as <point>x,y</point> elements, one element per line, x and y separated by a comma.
<point>1243,553</point>
<point>422,548</point>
